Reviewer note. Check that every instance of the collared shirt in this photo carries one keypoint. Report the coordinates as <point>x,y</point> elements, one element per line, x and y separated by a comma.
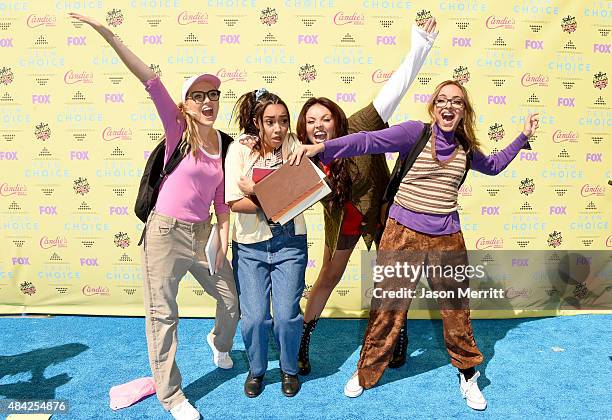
<point>250,228</point>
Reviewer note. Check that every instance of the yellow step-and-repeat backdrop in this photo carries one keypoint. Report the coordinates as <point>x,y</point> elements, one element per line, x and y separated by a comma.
<point>76,127</point>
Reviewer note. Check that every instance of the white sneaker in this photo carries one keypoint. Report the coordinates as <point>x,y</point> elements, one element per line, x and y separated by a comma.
<point>221,359</point>
<point>185,411</point>
<point>471,392</point>
<point>352,389</point>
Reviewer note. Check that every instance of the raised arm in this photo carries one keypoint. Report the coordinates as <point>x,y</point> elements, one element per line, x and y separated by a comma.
<point>497,162</point>
<point>132,62</point>
<point>395,88</point>
<point>166,107</point>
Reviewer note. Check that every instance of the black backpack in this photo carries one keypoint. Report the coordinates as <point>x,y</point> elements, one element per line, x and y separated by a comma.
<point>155,172</point>
<point>402,166</point>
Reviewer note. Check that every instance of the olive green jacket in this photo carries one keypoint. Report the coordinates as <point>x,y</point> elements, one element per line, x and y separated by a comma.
<point>370,176</point>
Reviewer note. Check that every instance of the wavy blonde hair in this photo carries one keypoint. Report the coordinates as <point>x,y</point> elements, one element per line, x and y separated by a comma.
<point>466,130</point>
<point>191,135</point>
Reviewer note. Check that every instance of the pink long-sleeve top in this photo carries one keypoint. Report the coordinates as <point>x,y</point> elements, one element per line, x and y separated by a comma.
<point>187,193</point>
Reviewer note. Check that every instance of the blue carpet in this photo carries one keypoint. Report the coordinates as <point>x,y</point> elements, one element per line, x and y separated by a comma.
<point>534,368</point>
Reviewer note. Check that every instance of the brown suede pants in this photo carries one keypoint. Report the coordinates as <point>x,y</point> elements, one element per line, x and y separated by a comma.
<point>400,244</point>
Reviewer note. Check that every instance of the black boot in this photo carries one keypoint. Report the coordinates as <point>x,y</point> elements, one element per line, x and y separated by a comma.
<point>401,345</point>
<point>303,358</point>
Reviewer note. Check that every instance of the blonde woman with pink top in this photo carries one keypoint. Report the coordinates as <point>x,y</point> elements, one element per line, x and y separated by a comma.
<point>179,226</point>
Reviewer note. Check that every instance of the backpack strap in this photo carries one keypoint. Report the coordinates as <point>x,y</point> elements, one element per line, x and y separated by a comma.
<point>172,163</point>
<point>468,166</point>
<point>468,156</point>
<point>226,140</point>
<point>402,166</point>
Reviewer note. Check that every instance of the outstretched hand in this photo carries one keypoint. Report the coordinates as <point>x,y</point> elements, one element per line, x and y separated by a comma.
<point>86,19</point>
<point>305,150</point>
<point>532,123</point>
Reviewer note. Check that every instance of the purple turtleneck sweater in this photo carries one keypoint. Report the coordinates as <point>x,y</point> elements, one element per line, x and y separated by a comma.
<point>401,138</point>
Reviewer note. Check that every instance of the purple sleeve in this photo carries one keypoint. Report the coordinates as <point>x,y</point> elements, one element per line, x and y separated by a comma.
<point>219,200</point>
<point>495,163</point>
<point>171,118</point>
<point>398,138</point>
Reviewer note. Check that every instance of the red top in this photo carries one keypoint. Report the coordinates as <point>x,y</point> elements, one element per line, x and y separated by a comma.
<point>351,223</point>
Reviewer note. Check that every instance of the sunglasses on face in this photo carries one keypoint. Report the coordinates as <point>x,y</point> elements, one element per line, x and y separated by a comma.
<point>199,97</point>
<point>456,103</point>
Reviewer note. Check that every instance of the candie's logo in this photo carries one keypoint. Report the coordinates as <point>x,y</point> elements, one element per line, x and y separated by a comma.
<point>527,186</point>
<point>568,24</point>
<point>34,21</point>
<point>465,190</point>
<point>512,293</point>
<point>95,290</point>
<point>236,75</point>
<point>341,18</point>
<point>560,136</point>
<point>529,79</point>
<point>493,243</point>
<point>307,73</point>
<point>109,134</point>
<point>114,17</point>
<point>188,18</point>
<point>71,77</point>
<point>494,22</point>
<point>588,190</point>
<point>268,16</point>
<point>381,76</point>
<point>7,190</point>
<point>461,74</point>
<point>57,242</point>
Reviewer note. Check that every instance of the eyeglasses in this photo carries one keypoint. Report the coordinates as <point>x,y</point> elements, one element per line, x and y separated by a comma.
<point>456,103</point>
<point>198,96</point>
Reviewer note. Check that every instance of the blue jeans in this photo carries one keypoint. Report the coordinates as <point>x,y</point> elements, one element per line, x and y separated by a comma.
<point>276,268</point>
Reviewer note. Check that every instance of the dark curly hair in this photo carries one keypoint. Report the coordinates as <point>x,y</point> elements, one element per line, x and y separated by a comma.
<point>248,108</point>
<point>339,169</point>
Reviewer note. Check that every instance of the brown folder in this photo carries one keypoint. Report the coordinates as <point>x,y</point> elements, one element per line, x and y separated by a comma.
<point>287,188</point>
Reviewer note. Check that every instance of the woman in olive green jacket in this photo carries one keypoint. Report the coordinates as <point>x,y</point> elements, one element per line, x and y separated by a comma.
<point>354,208</point>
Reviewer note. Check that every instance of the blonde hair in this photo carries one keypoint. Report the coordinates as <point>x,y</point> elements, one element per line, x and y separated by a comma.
<point>466,130</point>
<point>191,135</point>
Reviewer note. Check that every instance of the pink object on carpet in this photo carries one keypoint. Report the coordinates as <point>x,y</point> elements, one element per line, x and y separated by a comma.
<point>124,395</point>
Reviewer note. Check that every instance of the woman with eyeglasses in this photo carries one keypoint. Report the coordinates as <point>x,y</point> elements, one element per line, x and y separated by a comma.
<point>178,228</point>
<point>423,228</point>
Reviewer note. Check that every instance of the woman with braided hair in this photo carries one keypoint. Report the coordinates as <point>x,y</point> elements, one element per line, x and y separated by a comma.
<point>269,259</point>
